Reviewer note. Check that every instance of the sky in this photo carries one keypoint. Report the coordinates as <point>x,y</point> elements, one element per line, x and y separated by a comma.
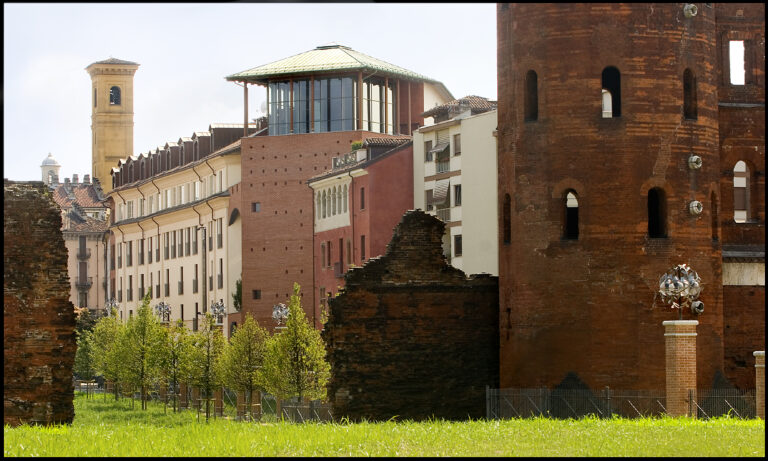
<point>185,51</point>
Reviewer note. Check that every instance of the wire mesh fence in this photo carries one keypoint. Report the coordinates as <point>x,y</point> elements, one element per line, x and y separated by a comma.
<point>712,403</point>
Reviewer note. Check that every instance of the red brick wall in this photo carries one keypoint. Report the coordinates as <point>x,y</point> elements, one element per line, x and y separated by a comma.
<point>390,194</point>
<point>38,318</point>
<point>744,319</point>
<point>275,170</point>
<point>588,305</point>
<point>411,336</point>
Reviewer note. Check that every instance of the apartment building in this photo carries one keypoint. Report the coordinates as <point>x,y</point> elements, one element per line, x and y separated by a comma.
<point>174,230</point>
<point>357,205</point>
<point>454,178</point>
<point>84,228</point>
<point>319,103</point>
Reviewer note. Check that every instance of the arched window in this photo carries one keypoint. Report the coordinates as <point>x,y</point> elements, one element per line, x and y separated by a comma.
<point>346,193</point>
<point>611,85</point>
<point>325,205</point>
<point>571,224</point>
<point>507,219</point>
<point>715,224</point>
<point>333,202</point>
<point>689,95</point>
<point>741,192</point>
<point>114,96</point>
<point>531,102</point>
<point>322,254</point>
<point>319,206</point>
<point>657,213</point>
<point>339,200</point>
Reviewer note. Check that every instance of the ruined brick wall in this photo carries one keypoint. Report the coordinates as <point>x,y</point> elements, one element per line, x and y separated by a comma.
<point>411,336</point>
<point>586,305</point>
<point>38,317</point>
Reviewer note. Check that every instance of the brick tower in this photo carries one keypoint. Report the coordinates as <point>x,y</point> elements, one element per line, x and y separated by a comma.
<point>607,151</point>
<point>111,116</point>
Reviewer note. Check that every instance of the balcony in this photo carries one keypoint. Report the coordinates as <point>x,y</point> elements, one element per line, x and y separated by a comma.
<point>444,214</point>
<point>84,282</point>
<point>443,166</point>
<point>83,254</point>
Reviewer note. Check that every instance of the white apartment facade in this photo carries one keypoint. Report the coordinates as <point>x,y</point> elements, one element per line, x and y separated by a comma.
<point>455,178</point>
<point>172,234</point>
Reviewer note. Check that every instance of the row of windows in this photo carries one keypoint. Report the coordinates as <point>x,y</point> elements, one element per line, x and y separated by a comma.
<point>181,242</point>
<point>333,201</point>
<point>657,208</point>
<point>171,197</point>
<point>155,283</point>
<point>326,253</point>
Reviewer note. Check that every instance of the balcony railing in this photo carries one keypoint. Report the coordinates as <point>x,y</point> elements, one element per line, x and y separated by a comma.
<point>444,214</point>
<point>442,167</point>
<point>84,282</point>
<point>83,253</point>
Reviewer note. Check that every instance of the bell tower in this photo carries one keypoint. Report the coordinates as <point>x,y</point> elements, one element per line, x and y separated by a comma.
<point>111,116</point>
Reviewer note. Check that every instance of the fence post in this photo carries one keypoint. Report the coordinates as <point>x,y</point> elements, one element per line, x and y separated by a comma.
<point>759,384</point>
<point>487,402</point>
<point>608,398</point>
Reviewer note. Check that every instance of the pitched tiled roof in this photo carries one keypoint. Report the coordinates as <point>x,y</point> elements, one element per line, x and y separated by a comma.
<point>386,141</point>
<point>324,59</point>
<point>84,195</point>
<point>89,225</point>
<point>477,104</point>
<point>117,61</point>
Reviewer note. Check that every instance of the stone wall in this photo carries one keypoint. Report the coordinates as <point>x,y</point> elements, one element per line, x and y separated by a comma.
<point>412,337</point>
<point>38,318</point>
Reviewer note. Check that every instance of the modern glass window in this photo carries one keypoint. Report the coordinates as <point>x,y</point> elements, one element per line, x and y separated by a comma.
<point>335,104</point>
<point>279,107</point>
<point>301,106</point>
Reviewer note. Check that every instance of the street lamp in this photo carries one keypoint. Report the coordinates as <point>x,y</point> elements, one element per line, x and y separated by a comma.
<point>163,310</point>
<point>279,313</point>
<point>218,310</point>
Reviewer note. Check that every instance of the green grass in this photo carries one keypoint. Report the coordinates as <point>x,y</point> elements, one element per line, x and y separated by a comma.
<point>111,429</point>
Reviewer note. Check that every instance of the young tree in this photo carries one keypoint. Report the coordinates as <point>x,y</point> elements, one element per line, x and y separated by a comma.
<point>204,369</point>
<point>243,358</point>
<point>295,364</point>
<point>175,350</point>
<point>84,366</point>
<point>106,334</point>
<point>140,350</point>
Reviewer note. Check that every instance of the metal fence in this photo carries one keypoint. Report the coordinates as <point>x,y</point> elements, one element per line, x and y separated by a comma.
<point>606,403</point>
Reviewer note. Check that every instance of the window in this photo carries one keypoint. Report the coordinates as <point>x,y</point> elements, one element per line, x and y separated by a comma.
<point>157,248</point>
<point>325,205</point>
<point>428,198</point>
<point>149,251</point>
<point>322,254</point>
<point>119,255</point>
<point>328,260</point>
<point>689,95</point>
<point>129,254</point>
<point>256,294</point>
<point>140,244</point>
<point>741,196</point>
<point>114,96</point>
<point>112,257</point>
<point>736,55</point>
<point>219,233</point>
<point>141,286</point>
<point>181,280</point>
<point>167,282</point>
<point>657,213</point>
<point>349,252</point>
<point>194,241</point>
<point>531,102</point>
<point>457,195</point>
<point>362,198</point>
<point>173,244</point>
<point>333,202</point>
<point>256,206</point>
<point>157,287</point>
<point>346,193</point>
<point>427,149</point>
<point>507,219</point>
<point>130,288</point>
<point>457,144</point>
<point>611,80</point>
<point>362,248</point>
<point>571,224</point>
<point>457,245</point>
<point>129,207</point>
<point>187,241</point>
<point>194,281</point>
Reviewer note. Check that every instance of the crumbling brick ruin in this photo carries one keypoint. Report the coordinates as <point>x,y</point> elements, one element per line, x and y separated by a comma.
<point>38,317</point>
<point>411,336</point>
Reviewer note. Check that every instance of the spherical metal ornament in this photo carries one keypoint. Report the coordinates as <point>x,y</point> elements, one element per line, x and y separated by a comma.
<point>695,207</point>
<point>679,287</point>
<point>695,162</point>
<point>690,10</point>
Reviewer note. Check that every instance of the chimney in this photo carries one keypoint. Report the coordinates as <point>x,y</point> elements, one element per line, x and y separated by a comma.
<point>74,179</point>
<point>66,180</point>
<point>86,179</point>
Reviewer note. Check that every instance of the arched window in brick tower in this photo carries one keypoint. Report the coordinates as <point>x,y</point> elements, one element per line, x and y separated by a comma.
<point>689,95</point>
<point>657,213</point>
<point>114,96</point>
<point>507,219</point>
<point>714,224</point>
<point>741,192</point>
<point>571,224</point>
<point>325,205</point>
<point>611,86</point>
<point>531,103</point>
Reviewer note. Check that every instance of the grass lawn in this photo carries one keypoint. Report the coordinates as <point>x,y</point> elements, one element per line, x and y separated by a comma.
<point>109,428</point>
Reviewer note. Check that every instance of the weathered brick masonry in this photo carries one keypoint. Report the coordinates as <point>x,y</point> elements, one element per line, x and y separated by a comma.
<point>412,336</point>
<point>38,317</point>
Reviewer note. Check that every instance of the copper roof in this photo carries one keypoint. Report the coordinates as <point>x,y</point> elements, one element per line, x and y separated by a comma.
<point>326,58</point>
<point>477,104</point>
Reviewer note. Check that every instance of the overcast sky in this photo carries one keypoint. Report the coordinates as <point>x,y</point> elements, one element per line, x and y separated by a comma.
<point>186,50</point>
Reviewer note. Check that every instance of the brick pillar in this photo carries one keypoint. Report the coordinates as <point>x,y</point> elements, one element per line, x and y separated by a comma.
<point>760,383</point>
<point>680,338</point>
<point>183,397</point>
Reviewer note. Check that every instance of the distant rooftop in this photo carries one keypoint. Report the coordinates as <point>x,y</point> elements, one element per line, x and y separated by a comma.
<point>116,61</point>
<point>325,58</point>
<point>477,104</point>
